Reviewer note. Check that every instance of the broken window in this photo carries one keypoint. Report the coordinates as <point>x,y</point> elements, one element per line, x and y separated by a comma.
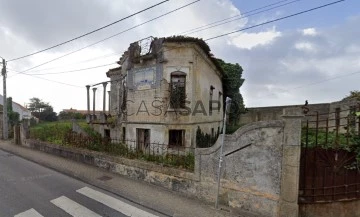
<point>177,90</point>
<point>220,95</point>
<point>177,138</point>
<point>210,99</point>
<point>123,134</point>
<point>143,139</point>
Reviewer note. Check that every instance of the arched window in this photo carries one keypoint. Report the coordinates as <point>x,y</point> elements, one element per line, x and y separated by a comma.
<point>177,90</point>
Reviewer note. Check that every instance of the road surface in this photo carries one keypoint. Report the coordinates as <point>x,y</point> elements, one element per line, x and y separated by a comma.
<point>30,190</point>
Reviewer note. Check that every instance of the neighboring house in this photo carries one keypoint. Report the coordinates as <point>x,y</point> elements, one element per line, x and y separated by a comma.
<point>164,90</point>
<point>24,113</point>
<point>83,112</point>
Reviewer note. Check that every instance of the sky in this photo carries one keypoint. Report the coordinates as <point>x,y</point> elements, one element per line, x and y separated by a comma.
<point>313,56</point>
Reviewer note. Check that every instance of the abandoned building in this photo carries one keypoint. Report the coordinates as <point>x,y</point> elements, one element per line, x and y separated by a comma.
<point>162,92</point>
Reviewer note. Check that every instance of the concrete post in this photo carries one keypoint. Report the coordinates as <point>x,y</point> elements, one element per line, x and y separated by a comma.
<point>104,97</point>
<point>109,101</point>
<point>88,99</point>
<point>94,91</point>
<point>289,188</point>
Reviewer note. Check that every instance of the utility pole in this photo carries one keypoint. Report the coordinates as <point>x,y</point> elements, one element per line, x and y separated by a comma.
<point>227,109</point>
<point>5,117</point>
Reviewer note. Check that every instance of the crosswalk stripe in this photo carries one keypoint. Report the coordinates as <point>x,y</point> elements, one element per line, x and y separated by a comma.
<point>114,203</point>
<point>29,213</point>
<point>73,208</point>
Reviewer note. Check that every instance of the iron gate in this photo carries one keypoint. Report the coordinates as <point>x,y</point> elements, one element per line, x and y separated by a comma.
<point>329,164</point>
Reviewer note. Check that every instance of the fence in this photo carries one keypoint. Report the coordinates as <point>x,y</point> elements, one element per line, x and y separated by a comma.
<point>330,157</point>
<point>176,156</point>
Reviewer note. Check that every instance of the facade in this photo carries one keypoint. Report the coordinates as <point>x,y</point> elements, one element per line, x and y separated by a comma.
<point>163,91</point>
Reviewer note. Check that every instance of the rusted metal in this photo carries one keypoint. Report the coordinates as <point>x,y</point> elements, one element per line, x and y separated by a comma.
<point>328,167</point>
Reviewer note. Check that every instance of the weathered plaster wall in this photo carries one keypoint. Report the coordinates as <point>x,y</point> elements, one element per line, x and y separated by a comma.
<point>148,104</point>
<point>251,177</point>
<point>275,112</point>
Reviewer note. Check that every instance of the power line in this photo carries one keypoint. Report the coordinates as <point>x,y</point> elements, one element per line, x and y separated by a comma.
<point>281,18</point>
<point>76,70</point>
<point>221,22</point>
<point>96,30</point>
<point>240,15</point>
<point>271,21</point>
<point>165,14</point>
<point>198,28</point>
<point>72,85</point>
<point>311,84</point>
<point>76,63</point>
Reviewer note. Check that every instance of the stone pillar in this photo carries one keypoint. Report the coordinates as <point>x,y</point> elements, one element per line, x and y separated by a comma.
<point>109,101</point>
<point>88,99</point>
<point>94,90</point>
<point>104,97</point>
<point>289,188</point>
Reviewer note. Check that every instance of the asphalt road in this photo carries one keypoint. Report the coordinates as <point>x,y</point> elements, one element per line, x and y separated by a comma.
<point>30,190</point>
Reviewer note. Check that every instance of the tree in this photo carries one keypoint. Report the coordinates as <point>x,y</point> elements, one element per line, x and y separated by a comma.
<point>13,117</point>
<point>355,94</point>
<point>232,82</point>
<point>43,111</point>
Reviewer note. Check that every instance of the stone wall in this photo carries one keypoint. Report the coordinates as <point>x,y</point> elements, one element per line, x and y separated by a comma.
<point>262,178</point>
<point>275,112</point>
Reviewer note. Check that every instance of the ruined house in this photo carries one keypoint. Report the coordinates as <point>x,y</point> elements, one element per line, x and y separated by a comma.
<point>163,91</point>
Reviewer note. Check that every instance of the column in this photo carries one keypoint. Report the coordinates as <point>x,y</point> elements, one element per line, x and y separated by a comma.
<point>109,101</point>
<point>289,187</point>
<point>88,98</point>
<point>104,96</point>
<point>94,90</point>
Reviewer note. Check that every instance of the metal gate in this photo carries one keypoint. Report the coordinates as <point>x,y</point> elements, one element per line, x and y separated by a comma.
<point>330,164</point>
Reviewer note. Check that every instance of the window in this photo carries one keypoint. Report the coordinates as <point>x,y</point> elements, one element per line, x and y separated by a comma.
<point>123,134</point>
<point>176,137</point>
<point>177,90</point>
<point>142,139</point>
<point>220,95</point>
<point>124,97</point>
<point>210,99</point>
<point>107,134</point>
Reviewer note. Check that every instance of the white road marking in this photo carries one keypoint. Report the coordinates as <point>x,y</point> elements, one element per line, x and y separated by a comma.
<point>114,203</point>
<point>73,208</point>
<point>29,213</point>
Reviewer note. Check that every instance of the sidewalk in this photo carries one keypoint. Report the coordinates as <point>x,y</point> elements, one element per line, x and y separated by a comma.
<point>162,200</point>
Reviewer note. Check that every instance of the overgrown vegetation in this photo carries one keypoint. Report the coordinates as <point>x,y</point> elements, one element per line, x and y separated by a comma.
<point>232,81</point>
<point>42,110</point>
<point>349,141</point>
<point>205,140</point>
<point>60,133</point>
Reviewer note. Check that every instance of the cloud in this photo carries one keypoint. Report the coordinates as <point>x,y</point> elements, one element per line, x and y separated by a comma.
<point>250,40</point>
<point>295,67</point>
<point>305,46</point>
<point>281,65</point>
<point>310,31</point>
<point>26,27</point>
